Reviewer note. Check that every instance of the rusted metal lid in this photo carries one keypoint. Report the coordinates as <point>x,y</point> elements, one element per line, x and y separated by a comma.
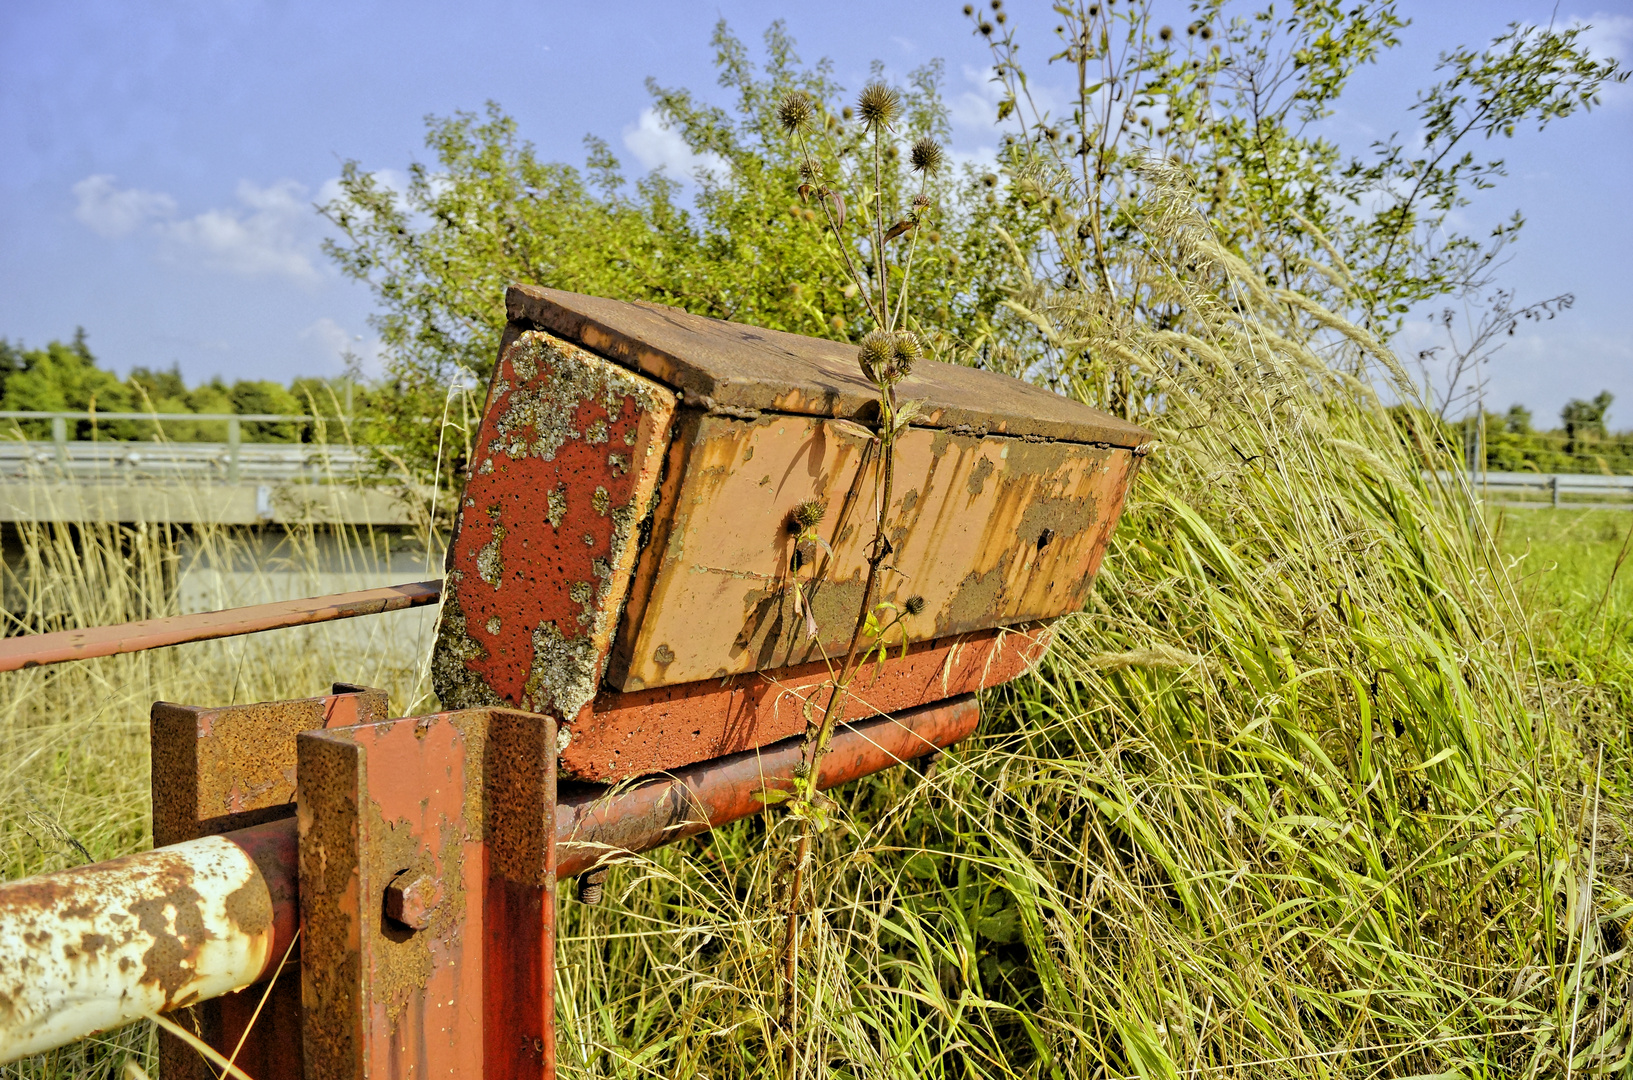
<point>736,368</point>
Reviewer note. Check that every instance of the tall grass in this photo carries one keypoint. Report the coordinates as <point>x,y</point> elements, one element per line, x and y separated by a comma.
<point>1318,786</point>
<point>1309,791</point>
<point>74,774</point>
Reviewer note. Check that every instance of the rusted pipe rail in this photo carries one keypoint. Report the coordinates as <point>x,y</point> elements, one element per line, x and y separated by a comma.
<point>34,650</point>
<point>95,947</point>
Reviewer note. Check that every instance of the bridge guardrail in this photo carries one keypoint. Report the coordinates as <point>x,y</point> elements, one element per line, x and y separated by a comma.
<point>231,454</point>
<point>1607,492</point>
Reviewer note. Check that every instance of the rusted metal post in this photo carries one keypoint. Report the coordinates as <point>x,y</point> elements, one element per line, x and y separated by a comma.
<point>217,770</point>
<point>460,805</point>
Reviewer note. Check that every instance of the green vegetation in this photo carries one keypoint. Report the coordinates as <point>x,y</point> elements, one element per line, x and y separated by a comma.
<point>1582,444</point>
<point>1331,779</point>
<point>65,378</point>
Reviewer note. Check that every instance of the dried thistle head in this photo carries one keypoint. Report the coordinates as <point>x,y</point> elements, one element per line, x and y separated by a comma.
<point>807,515</point>
<point>914,605</point>
<point>876,351</point>
<point>926,156</point>
<point>908,352</point>
<point>921,203</point>
<point>908,347</point>
<point>878,105</point>
<point>810,170</point>
<point>795,112</point>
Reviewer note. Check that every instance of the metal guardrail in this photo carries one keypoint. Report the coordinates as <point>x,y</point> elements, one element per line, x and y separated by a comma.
<point>1610,492</point>
<point>74,457</point>
<point>231,463</point>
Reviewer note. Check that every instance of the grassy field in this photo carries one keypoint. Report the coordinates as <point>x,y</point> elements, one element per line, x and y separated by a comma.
<point>1331,779</point>
<point>1573,564</point>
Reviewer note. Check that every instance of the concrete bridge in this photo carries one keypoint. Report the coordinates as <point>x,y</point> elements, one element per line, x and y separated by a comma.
<point>184,483</point>
<point>305,519</point>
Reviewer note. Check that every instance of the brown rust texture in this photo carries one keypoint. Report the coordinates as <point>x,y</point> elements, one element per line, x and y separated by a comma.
<point>222,769</point>
<point>94,947</point>
<point>990,531</point>
<point>412,797</point>
<point>596,824</point>
<point>738,368</point>
<point>621,735</point>
<point>33,650</point>
<point>566,463</point>
<point>217,769</point>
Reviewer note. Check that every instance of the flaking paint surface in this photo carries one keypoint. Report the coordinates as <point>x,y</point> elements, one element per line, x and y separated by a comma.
<point>622,735</point>
<point>95,947</point>
<point>990,531</point>
<point>565,466</point>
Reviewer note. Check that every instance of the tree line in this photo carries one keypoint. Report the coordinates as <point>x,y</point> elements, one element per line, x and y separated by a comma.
<point>65,377</point>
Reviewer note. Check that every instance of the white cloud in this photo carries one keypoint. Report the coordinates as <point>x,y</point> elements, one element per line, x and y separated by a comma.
<point>269,236</point>
<point>658,147</point>
<point>271,233</point>
<point>110,212</point>
<point>1609,36</point>
<point>333,344</point>
<point>976,107</point>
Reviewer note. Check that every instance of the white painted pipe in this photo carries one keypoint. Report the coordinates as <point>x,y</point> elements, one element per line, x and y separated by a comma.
<point>96,947</point>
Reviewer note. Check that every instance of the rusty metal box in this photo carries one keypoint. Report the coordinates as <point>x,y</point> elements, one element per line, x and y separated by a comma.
<point>622,557</point>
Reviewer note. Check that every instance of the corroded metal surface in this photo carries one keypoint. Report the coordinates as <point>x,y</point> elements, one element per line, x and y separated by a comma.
<point>460,804</point>
<point>33,650</point>
<point>467,800</point>
<point>990,531</point>
<point>96,947</point>
<point>622,735</point>
<point>565,466</point>
<point>594,824</point>
<point>226,768</point>
<point>737,368</point>
<point>220,768</point>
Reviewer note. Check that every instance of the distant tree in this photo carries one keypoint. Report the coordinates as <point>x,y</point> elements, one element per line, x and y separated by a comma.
<point>11,359</point>
<point>263,396</point>
<point>1518,420</point>
<point>64,377</point>
<point>1585,420</point>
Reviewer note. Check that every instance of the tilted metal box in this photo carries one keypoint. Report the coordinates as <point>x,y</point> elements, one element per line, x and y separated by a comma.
<point>622,557</point>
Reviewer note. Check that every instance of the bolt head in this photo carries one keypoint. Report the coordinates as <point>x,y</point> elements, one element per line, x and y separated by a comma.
<point>412,899</point>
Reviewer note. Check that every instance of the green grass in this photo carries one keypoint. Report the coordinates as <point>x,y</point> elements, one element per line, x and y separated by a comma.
<point>1573,563</point>
<point>1326,782</point>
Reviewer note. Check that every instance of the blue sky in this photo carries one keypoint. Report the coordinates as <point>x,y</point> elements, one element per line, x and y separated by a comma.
<point>159,160</point>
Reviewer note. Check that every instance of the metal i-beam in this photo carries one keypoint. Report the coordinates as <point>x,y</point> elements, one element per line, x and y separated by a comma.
<point>93,948</point>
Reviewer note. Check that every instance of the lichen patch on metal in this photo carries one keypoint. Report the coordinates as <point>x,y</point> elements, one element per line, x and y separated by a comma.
<point>548,529</point>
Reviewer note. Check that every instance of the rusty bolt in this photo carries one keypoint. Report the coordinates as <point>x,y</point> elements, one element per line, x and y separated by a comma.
<point>591,884</point>
<point>411,899</point>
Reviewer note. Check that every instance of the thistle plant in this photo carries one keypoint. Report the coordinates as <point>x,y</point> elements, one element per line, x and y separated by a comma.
<point>863,245</point>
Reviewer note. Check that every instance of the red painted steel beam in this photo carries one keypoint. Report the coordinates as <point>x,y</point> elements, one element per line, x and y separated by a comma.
<point>593,826</point>
<point>34,650</point>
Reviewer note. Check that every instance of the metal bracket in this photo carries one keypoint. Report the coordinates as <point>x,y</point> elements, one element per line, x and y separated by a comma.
<point>461,806</point>
<point>216,770</point>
